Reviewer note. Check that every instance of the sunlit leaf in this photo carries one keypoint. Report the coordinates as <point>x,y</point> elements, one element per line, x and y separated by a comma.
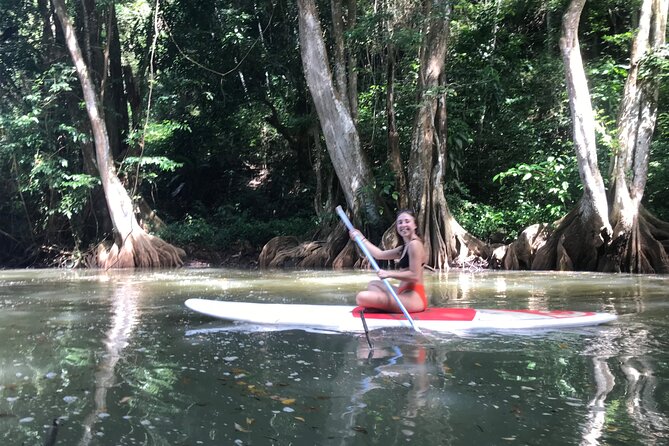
<point>239,428</point>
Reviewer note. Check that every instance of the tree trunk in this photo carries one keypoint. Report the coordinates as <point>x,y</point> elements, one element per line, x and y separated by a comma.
<point>341,136</point>
<point>633,243</point>
<point>133,246</point>
<point>339,57</point>
<point>115,101</point>
<point>394,153</point>
<point>352,63</point>
<point>343,146</point>
<point>577,242</point>
<point>445,240</point>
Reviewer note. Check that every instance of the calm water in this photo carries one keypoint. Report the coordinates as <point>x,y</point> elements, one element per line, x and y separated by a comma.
<point>119,360</point>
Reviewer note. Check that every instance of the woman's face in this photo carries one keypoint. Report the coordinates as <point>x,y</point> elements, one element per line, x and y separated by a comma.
<point>405,225</point>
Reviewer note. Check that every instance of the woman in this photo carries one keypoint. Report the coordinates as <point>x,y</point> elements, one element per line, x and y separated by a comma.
<point>411,257</point>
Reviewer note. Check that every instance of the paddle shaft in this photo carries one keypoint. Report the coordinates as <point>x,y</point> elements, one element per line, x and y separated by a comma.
<point>375,265</point>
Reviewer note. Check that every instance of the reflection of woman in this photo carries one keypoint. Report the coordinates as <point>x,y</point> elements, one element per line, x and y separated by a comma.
<point>411,257</point>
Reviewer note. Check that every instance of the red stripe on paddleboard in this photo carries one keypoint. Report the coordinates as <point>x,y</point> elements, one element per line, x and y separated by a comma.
<point>431,314</point>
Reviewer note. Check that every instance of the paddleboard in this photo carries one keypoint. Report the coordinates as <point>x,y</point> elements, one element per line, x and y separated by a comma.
<point>343,318</point>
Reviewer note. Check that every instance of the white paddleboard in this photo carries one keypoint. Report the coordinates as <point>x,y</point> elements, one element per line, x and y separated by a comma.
<point>345,318</point>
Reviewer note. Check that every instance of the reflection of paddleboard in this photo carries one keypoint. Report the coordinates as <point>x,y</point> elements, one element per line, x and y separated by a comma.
<point>347,318</point>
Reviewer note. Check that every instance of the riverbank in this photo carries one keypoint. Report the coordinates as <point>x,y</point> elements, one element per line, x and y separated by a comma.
<point>199,257</point>
<point>196,257</point>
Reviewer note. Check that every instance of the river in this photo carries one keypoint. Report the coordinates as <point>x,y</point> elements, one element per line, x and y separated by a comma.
<point>115,358</point>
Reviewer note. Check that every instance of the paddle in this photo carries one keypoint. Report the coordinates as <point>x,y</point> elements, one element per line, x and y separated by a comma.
<point>372,262</point>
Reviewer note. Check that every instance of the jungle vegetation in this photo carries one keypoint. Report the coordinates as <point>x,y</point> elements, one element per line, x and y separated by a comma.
<point>525,133</point>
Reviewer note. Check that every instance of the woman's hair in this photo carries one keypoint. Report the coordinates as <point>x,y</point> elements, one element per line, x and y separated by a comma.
<point>405,211</point>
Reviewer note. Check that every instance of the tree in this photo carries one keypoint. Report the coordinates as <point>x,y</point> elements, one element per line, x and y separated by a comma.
<point>585,238</point>
<point>133,247</point>
<point>445,239</point>
<point>585,229</point>
<point>337,124</point>
<point>640,241</point>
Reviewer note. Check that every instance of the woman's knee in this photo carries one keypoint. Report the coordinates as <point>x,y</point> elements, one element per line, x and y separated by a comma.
<point>368,298</point>
<point>375,285</point>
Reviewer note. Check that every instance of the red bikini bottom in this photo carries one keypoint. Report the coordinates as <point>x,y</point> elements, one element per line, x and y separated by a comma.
<point>418,288</point>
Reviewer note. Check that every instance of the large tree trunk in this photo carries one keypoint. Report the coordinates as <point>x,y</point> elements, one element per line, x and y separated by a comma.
<point>341,135</point>
<point>339,53</point>
<point>634,247</point>
<point>333,106</point>
<point>114,99</point>
<point>577,242</point>
<point>133,246</point>
<point>445,240</point>
<point>585,240</point>
<point>352,92</point>
<point>394,153</point>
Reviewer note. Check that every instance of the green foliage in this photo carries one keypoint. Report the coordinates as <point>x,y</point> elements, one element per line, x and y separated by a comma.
<point>230,228</point>
<point>232,126</point>
<point>607,79</point>
<point>656,196</point>
<point>43,150</point>
<point>529,193</point>
<point>149,167</point>
<point>542,191</point>
<point>51,173</point>
<point>158,134</point>
<point>655,64</point>
<point>481,220</point>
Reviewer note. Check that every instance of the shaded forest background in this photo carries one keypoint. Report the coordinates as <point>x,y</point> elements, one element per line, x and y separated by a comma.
<point>215,136</point>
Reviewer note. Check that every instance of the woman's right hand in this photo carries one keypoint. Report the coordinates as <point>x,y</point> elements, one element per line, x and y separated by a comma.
<point>353,233</point>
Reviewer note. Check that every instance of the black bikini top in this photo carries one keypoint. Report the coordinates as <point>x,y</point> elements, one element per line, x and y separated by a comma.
<point>404,260</point>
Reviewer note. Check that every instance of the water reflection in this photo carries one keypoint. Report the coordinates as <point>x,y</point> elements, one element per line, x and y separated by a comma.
<point>124,317</point>
<point>641,385</point>
<point>121,359</point>
<point>637,374</point>
<point>402,369</point>
<point>596,421</point>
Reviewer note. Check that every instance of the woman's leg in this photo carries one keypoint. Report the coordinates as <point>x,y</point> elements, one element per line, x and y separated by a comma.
<point>377,296</point>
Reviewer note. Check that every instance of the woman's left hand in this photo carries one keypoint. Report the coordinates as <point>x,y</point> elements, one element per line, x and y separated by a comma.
<point>383,274</point>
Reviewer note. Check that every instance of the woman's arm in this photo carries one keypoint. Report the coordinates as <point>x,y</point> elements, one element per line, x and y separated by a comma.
<point>375,251</point>
<point>414,273</point>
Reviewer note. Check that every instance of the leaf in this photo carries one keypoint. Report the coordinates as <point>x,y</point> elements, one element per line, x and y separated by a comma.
<point>287,401</point>
<point>239,428</point>
<point>300,419</point>
<point>527,176</point>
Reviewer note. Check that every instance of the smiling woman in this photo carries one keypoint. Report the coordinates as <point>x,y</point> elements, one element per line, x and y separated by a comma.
<point>411,256</point>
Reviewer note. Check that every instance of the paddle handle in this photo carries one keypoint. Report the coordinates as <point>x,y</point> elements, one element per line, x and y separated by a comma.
<point>375,265</point>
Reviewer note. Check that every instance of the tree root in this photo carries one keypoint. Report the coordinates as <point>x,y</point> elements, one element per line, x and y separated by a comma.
<point>140,250</point>
<point>288,252</point>
<point>278,252</point>
<point>575,245</point>
<point>520,253</point>
<point>643,249</point>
